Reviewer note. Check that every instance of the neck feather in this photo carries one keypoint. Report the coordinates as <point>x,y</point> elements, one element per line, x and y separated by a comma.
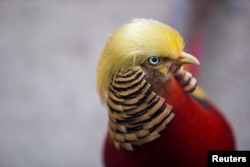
<point>136,113</point>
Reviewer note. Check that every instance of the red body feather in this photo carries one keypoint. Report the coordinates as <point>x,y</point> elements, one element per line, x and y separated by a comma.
<point>186,140</point>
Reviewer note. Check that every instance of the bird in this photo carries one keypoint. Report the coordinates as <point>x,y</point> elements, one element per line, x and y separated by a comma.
<point>157,113</point>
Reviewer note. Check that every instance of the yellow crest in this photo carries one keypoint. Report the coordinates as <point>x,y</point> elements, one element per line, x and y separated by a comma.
<point>132,44</point>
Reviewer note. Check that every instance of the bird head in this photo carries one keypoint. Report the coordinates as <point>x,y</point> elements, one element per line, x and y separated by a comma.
<point>155,47</point>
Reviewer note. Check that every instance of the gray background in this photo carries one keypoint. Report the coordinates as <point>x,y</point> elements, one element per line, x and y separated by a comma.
<point>50,113</point>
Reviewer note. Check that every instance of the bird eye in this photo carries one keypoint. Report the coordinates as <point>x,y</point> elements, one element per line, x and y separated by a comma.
<point>154,60</point>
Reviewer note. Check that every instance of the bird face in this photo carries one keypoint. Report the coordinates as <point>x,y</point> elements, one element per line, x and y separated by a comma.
<point>159,70</point>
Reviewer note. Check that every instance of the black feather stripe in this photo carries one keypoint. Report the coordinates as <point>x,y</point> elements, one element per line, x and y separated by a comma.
<point>144,110</point>
<point>134,128</point>
<point>124,80</point>
<point>180,73</point>
<point>186,80</point>
<point>113,93</point>
<point>143,106</point>
<point>128,73</point>
<point>155,96</point>
<point>114,106</point>
<point>156,113</point>
<point>140,99</point>
<point>132,94</point>
<point>114,100</point>
<point>192,88</point>
<point>160,123</point>
<point>186,83</point>
<point>118,87</point>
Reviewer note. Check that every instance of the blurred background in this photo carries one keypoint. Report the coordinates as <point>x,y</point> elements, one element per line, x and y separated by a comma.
<point>50,113</point>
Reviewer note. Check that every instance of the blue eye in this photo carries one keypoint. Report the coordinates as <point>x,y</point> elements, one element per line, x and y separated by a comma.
<point>154,60</point>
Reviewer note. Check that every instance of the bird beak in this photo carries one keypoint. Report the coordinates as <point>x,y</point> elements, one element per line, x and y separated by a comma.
<point>188,59</point>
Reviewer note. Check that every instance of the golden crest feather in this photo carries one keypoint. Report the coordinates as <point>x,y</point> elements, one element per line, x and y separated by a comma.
<point>131,45</point>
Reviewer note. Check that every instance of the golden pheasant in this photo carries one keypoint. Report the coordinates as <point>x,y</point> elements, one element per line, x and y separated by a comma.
<point>158,116</point>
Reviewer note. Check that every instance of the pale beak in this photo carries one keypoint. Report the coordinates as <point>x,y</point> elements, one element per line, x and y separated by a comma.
<point>188,59</point>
